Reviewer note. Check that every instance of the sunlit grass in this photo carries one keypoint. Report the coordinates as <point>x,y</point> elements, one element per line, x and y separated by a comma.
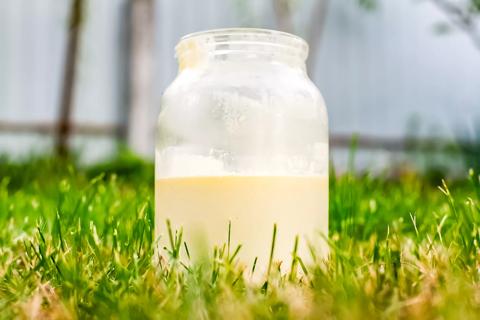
<point>78,243</point>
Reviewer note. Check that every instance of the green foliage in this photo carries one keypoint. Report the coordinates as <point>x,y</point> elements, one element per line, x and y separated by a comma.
<point>368,4</point>
<point>78,243</point>
<point>475,5</point>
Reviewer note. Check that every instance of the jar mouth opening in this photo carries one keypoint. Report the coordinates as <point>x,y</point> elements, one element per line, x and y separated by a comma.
<point>238,40</point>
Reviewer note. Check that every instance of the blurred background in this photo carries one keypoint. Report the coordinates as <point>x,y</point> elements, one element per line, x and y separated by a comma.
<point>401,79</point>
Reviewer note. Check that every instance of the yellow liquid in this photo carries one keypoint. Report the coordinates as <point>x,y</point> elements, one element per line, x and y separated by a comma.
<point>203,207</point>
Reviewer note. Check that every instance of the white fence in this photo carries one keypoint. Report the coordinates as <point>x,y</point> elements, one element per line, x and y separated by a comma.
<point>377,69</point>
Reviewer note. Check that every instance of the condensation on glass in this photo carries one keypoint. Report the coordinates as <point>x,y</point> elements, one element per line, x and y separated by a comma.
<point>243,139</point>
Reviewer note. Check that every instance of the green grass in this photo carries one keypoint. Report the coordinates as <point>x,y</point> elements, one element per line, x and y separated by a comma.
<point>78,243</point>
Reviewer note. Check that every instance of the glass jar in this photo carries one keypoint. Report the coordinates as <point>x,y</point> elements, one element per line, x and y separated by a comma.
<point>243,140</point>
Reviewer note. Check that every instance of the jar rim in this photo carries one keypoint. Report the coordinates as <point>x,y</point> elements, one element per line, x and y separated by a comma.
<point>273,38</point>
<point>244,31</point>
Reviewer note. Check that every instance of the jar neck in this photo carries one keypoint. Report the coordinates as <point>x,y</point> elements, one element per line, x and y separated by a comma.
<point>241,45</point>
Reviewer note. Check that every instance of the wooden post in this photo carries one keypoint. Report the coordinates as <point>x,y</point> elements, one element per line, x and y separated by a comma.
<point>64,121</point>
<point>139,128</point>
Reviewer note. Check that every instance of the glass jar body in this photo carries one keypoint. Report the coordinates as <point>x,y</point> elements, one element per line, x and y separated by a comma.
<point>242,141</point>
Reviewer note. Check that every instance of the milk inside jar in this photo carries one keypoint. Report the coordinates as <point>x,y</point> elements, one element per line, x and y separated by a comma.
<point>242,139</point>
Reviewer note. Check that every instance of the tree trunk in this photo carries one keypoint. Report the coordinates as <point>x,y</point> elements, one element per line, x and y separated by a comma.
<point>64,121</point>
<point>283,15</point>
<point>284,20</point>
<point>315,31</point>
<point>139,128</point>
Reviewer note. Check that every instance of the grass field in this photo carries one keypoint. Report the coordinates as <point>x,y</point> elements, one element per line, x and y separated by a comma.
<point>78,243</point>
